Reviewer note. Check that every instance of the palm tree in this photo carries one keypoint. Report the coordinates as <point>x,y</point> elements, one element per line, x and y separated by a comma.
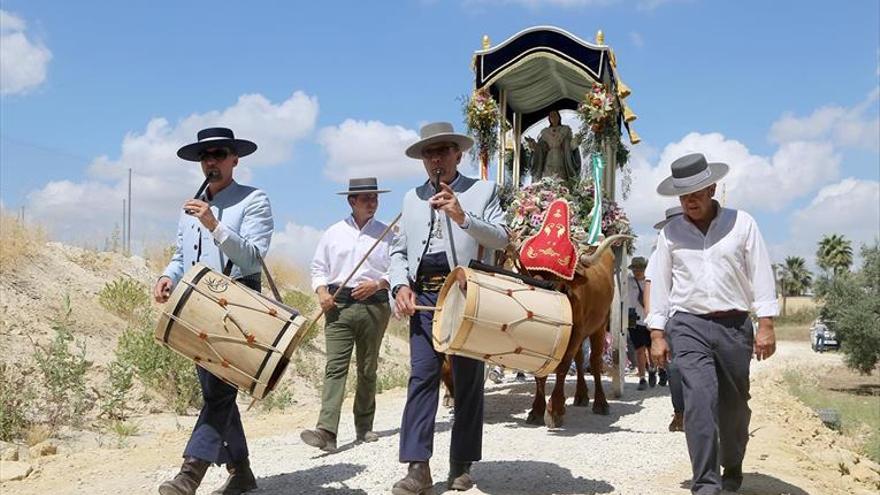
<point>834,254</point>
<point>794,278</point>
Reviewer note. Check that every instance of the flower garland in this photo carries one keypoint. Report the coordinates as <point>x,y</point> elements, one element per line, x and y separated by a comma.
<point>526,207</point>
<point>599,113</point>
<point>481,120</point>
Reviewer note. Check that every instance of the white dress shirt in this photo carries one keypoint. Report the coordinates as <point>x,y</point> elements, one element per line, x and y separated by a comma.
<point>341,248</point>
<point>726,269</point>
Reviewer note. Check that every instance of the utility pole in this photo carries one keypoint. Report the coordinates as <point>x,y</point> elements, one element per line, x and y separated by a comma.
<point>128,236</point>
<point>124,225</point>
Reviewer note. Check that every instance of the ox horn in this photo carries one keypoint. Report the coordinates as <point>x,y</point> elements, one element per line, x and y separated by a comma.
<point>589,259</point>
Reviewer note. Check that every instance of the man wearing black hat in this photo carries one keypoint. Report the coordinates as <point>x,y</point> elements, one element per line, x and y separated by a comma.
<point>447,221</point>
<point>227,228</point>
<point>357,317</point>
<point>711,269</point>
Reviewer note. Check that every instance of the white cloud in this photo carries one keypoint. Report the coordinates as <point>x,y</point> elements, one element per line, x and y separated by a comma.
<point>850,207</point>
<point>636,39</point>
<point>359,148</point>
<point>23,62</point>
<point>161,181</point>
<point>296,244</point>
<point>755,183</point>
<point>856,127</point>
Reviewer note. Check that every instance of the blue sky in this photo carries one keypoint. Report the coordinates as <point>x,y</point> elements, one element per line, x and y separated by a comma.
<point>786,92</point>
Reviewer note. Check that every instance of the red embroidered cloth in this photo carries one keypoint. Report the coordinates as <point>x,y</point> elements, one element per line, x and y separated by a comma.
<point>551,249</point>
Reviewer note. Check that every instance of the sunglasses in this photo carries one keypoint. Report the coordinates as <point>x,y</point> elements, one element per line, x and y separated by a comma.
<point>218,154</point>
<point>437,152</point>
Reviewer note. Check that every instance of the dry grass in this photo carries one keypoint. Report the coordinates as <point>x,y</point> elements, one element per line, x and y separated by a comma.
<point>37,433</point>
<point>287,276</point>
<point>18,240</point>
<point>158,256</point>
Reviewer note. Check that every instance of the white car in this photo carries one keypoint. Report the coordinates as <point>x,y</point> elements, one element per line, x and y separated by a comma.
<point>822,337</point>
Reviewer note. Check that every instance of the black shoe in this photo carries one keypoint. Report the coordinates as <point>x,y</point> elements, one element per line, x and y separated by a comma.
<point>664,378</point>
<point>459,476</point>
<point>732,478</point>
<point>520,376</point>
<point>643,385</point>
<point>187,481</point>
<point>416,482</point>
<point>652,379</point>
<point>241,479</point>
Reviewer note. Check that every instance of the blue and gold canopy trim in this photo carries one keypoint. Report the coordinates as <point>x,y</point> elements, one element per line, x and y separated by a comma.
<point>540,69</point>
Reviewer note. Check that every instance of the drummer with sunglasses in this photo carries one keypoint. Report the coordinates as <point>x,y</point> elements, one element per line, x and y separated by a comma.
<point>447,221</point>
<point>226,229</point>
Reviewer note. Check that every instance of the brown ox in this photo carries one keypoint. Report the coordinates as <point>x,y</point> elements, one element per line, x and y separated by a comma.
<point>590,293</point>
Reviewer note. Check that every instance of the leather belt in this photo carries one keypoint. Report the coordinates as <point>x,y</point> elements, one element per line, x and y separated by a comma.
<point>430,283</point>
<point>730,313</point>
<point>345,297</point>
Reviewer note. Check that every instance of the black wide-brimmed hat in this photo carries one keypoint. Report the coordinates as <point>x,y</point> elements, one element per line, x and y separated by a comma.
<point>670,214</point>
<point>216,137</point>
<point>691,173</point>
<point>639,263</point>
<point>365,185</point>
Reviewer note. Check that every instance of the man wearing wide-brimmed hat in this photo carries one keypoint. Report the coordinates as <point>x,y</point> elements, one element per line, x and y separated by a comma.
<point>356,318</point>
<point>227,228</point>
<point>638,332</point>
<point>673,377</point>
<point>711,269</point>
<point>449,220</point>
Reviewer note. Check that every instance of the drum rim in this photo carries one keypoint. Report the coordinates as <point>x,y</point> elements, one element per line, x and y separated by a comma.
<point>469,305</point>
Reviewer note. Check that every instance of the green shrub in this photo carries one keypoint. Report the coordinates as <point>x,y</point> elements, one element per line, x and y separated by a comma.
<point>114,398</point>
<point>124,297</point>
<point>279,399</point>
<point>62,368</point>
<point>801,316</point>
<point>15,397</point>
<point>159,368</point>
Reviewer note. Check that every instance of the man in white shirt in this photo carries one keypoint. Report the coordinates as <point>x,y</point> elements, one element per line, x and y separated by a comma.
<point>711,269</point>
<point>357,317</point>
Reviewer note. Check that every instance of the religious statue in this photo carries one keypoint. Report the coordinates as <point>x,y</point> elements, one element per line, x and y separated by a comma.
<point>555,153</point>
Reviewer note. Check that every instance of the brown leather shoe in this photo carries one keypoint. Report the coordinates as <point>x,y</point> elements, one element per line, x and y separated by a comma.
<point>416,482</point>
<point>241,479</point>
<point>677,423</point>
<point>459,476</point>
<point>320,438</point>
<point>187,481</point>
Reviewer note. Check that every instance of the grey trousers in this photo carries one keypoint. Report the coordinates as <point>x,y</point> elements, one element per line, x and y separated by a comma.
<point>713,357</point>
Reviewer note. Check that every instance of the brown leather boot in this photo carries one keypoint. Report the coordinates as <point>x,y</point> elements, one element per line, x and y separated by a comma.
<point>459,476</point>
<point>241,479</point>
<point>416,482</point>
<point>677,423</point>
<point>320,438</point>
<point>187,480</point>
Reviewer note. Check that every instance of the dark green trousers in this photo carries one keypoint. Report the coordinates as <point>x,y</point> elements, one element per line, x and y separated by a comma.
<point>359,327</point>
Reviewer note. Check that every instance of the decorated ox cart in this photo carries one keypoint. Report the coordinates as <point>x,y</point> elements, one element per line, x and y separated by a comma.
<point>518,83</point>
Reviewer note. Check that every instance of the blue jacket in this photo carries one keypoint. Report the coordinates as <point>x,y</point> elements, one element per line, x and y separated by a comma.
<point>486,227</point>
<point>245,229</point>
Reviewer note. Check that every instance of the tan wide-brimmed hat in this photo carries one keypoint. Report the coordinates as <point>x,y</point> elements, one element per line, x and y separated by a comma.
<point>438,132</point>
<point>670,214</point>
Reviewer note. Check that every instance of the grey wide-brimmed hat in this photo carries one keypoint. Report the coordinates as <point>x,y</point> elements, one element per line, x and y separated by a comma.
<point>691,173</point>
<point>438,132</point>
<point>638,262</point>
<point>670,214</point>
<point>363,186</point>
<point>215,137</point>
